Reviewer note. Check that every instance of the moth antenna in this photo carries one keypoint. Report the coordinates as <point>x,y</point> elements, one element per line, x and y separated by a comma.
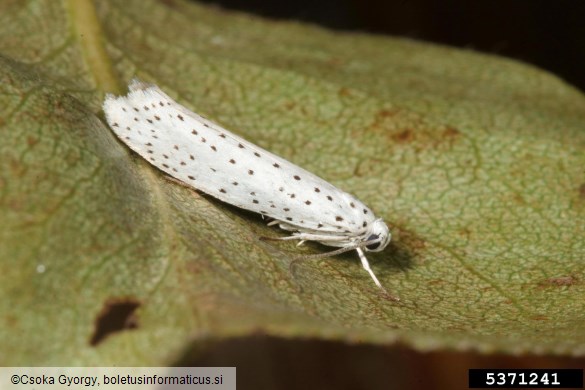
<point>328,254</point>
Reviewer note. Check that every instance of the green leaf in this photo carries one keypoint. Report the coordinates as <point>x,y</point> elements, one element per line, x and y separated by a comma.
<point>476,162</point>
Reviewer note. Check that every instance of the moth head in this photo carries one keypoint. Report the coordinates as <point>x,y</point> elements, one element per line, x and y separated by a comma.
<point>378,235</point>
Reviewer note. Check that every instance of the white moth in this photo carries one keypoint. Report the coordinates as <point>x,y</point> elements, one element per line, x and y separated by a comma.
<point>207,157</point>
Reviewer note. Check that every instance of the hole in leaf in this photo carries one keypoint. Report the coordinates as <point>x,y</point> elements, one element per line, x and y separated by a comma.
<point>117,315</point>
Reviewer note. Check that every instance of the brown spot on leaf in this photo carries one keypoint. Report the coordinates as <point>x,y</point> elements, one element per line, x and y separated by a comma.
<point>117,315</point>
<point>451,132</point>
<point>404,136</point>
<point>387,113</point>
<point>169,3</point>
<point>32,141</point>
<point>344,92</point>
<point>464,232</point>
<point>560,281</point>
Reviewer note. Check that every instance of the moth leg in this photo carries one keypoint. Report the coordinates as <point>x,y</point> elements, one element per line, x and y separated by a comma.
<point>314,237</point>
<point>293,262</point>
<point>366,266</point>
<point>305,237</point>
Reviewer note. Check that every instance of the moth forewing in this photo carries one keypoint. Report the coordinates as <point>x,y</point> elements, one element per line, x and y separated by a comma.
<point>209,158</point>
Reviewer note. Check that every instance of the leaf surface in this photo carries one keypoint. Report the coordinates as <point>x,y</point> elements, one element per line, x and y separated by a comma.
<point>476,162</point>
